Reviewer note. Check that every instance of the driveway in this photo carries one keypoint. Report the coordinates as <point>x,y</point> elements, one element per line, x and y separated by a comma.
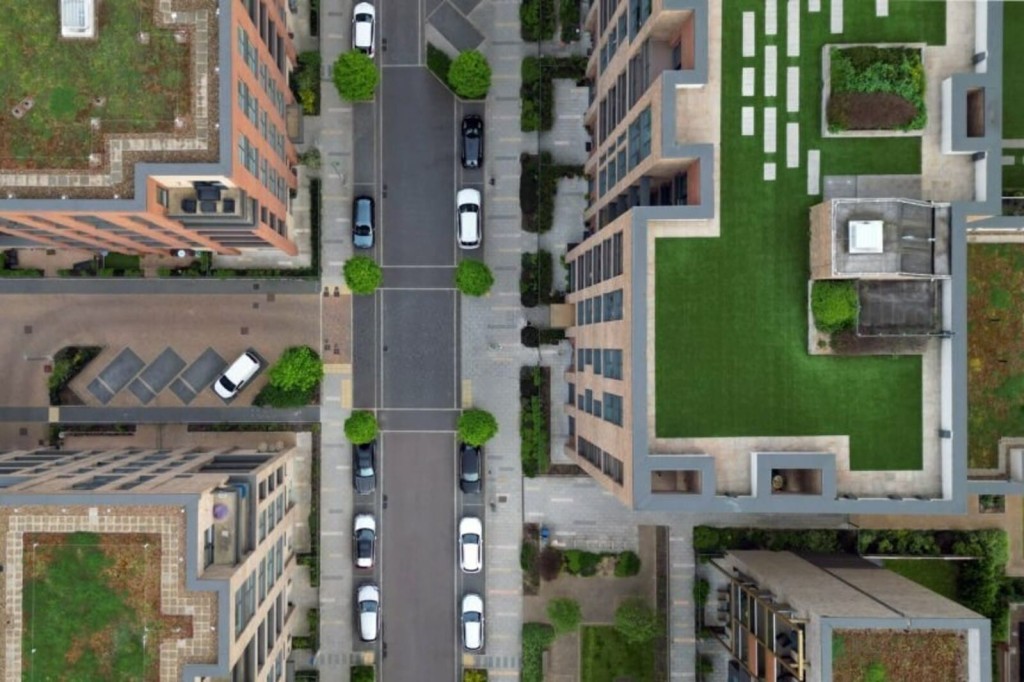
<point>158,341</point>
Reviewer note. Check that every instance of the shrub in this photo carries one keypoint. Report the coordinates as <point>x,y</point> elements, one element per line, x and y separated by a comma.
<point>529,336</point>
<point>438,62</point>
<point>536,278</point>
<point>582,563</point>
<point>528,555</point>
<point>274,396</point>
<point>356,76</point>
<point>550,563</point>
<point>701,590</point>
<point>68,362</point>
<point>537,91</point>
<point>536,638</point>
<point>362,673</point>
<point>298,369</point>
<point>705,666</point>
<point>470,75</point>
<point>473,277</point>
<point>875,673</point>
<point>534,420</point>
<point>361,427</point>
<point>537,20</point>
<point>627,564</point>
<point>636,621</point>
<point>476,427</point>
<point>306,82</point>
<point>474,675</point>
<point>569,18</point>
<point>834,304</point>
<point>362,275</point>
<point>564,614</point>
<point>864,77</point>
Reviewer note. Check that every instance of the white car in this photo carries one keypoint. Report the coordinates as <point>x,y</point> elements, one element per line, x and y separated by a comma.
<point>472,622</point>
<point>469,220</point>
<point>236,376</point>
<point>363,24</point>
<point>471,544</point>
<point>364,540</point>
<point>368,609</point>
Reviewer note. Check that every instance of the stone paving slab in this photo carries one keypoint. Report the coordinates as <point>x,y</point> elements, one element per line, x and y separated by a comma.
<point>101,392</point>
<point>141,391</point>
<point>204,370</point>
<point>792,89</point>
<point>813,172</point>
<point>749,81</point>
<point>792,145</point>
<point>121,370</point>
<point>747,121</point>
<point>882,8</point>
<point>813,6</point>
<point>770,118</point>
<point>836,18</point>
<point>771,70</point>
<point>160,372</point>
<point>749,45</point>
<point>458,30</point>
<point>769,171</point>
<point>793,28</point>
<point>771,17</point>
<point>181,389</point>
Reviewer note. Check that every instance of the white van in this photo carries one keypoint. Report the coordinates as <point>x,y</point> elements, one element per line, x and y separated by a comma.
<point>238,374</point>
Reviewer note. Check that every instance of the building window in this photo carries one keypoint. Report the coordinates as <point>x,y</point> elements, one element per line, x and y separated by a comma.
<point>613,363</point>
<point>588,401</point>
<point>572,394</point>
<point>589,311</point>
<point>597,351</point>
<point>617,254</point>
<point>579,312</point>
<point>613,408</point>
<point>163,197</point>
<point>597,308</point>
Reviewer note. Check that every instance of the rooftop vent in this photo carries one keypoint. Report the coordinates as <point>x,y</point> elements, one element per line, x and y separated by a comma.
<point>866,236</point>
<point>77,19</point>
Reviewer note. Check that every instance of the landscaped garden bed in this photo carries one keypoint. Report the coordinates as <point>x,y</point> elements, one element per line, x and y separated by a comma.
<point>538,91</point>
<point>294,379</point>
<point>68,362</point>
<point>535,419</point>
<point>877,656</point>
<point>535,279</point>
<point>538,184</point>
<point>305,82</point>
<point>537,20</point>
<point>607,656</point>
<point>874,88</point>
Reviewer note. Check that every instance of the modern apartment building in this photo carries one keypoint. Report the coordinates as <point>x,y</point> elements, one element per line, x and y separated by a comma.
<point>172,131</point>
<point>216,525</point>
<point>786,618</point>
<point>678,401</point>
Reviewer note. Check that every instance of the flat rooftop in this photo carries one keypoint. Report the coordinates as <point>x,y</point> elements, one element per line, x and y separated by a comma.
<point>145,79</point>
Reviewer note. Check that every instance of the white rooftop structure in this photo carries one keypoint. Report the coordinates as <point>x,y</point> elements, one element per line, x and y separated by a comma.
<point>77,18</point>
<point>866,236</point>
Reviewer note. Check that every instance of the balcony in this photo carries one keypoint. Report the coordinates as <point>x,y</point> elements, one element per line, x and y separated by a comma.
<point>206,200</point>
<point>668,482</point>
<point>230,512</point>
<point>796,481</point>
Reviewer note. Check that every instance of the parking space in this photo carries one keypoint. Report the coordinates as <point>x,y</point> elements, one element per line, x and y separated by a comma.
<point>158,350</point>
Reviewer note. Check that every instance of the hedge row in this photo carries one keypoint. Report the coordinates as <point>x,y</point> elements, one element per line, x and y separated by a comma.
<point>534,419</point>
<point>538,92</point>
<point>538,184</point>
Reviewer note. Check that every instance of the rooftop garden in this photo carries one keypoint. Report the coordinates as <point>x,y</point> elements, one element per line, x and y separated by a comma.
<point>133,77</point>
<point>731,318</point>
<point>876,88</point>
<point>92,608</point>
<point>995,355</point>
<point>890,655</point>
<point>1013,66</point>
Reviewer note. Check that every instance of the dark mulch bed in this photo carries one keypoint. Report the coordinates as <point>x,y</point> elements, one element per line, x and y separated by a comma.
<point>870,111</point>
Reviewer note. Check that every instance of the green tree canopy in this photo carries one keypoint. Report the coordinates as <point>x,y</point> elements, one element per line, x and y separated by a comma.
<point>470,75</point>
<point>564,614</point>
<point>476,427</point>
<point>356,76</point>
<point>473,277</point>
<point>362,275</point>
<point>636,621</point>
<point>361,427</point>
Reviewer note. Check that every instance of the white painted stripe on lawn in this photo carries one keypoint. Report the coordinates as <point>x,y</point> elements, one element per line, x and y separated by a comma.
<point>748,34</point>
<point>792,145</point>
<point>771,70</point>
<point>882,8</point>
<point>771,17</point>
<point>793,28</point>
<point>837,16</point>
<point>813,172</point>
<point>769,130</point>
<point>1009,160</point>
<point>748,81</point>
<point>813,5</point>
<point>769,171</point>
<point>792,89</point>
<point>747,121</point>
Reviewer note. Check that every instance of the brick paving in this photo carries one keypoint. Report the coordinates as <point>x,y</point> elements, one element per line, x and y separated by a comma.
<point>175,599</point>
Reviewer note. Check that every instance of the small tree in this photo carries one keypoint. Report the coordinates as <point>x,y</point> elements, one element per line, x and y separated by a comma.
<point>627,564</point>
<point>362,673</point>
<point>300,369</point>
<point>355,76</point>
<point>361,427</point>
<point>362,275</point>
<point>564,614</point>
<point>636,621</point>
<point>470,75</point>
<point>476,427</point>
<point>473,277</point>
<point>834,304</point>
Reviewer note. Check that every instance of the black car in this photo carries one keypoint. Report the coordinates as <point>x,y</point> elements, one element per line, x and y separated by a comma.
<point>362,223</point>
<point>364,468</point>
<point>472,141</point>
<point>471,464</point>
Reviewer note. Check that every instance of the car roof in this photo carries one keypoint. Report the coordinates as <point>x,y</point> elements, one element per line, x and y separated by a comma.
<point>364,521</point>
<point>241,368</point>
<point>468,196</point>
<point>364,8</point>
<point>368,593</point>
<point>471,524</point>
<point>472,602</point>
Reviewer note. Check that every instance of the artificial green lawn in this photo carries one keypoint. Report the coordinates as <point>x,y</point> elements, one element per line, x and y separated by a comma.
<point>144,85</point>
<point>606,657</point>
<point>1013,176</point>
<point>731,313</point>
<point>1013,66</point>
<point>937,575</point>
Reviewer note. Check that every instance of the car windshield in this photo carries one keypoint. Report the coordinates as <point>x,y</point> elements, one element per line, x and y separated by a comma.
<point>364,17</point>
<point>368,606</point>
<point>472,617</point>
<point>468,208</point>
<point>362,229</point>
<point>363,546</point>
<point>472,133</point>
<point>365,470</point>
<point>471,539</point>
<point>227,383</point>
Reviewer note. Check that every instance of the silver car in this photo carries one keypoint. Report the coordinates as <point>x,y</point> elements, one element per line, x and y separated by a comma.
<point>471,544</point>
<point>472,622</point>
<point>368,610</point>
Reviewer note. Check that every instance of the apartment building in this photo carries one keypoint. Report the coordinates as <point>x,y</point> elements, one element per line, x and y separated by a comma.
<point>215,524</point>
<point>665,423</point>
<point>786,618</point>
<point>184,140</point>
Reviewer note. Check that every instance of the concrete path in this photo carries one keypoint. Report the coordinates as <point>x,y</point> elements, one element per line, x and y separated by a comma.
<point>163,285</point>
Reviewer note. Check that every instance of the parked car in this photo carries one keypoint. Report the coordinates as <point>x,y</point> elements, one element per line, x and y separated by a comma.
<point>363,24</point>
<point>237,375</point>
<point>471,544</point>
<point>472,622</point>
<point>364,468</point>
<point>469,223</point>
<point>471,460</point>
<point>368,610</point>
<point>364,540</point>
<point>472,141</point>
<point>362,222</point>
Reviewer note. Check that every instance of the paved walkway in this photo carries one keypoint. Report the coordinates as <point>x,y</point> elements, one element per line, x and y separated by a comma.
<point>164,285</point>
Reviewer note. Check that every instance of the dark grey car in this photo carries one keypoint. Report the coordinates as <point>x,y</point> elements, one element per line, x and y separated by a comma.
<point>471,463</point>
<point>364,468</point>
<point>472,141</point>
<point>362,222</point>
